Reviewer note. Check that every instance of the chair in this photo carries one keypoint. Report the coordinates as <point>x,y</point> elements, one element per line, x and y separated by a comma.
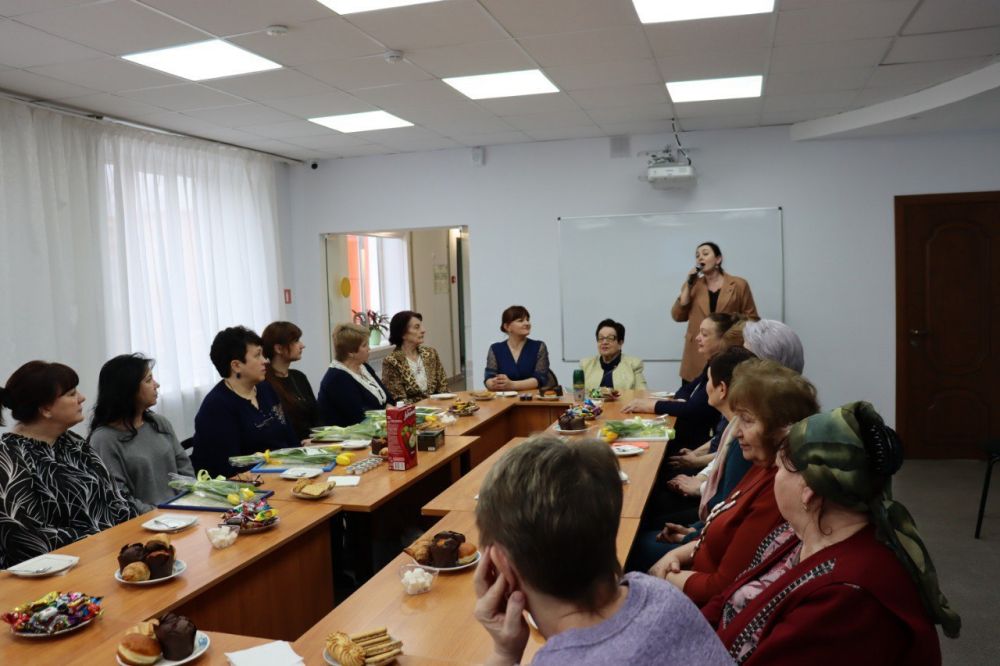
<point>551,383</point>
<point>993,451</point>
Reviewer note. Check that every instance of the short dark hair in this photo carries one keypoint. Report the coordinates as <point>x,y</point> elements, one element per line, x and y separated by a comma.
<point>513,313</point>
<point>611,323</point>
<point>117,388</point>
<point>547,495</point>
<point>722,364</point>
<point>35,385</point>
<point>230,344</point>
<point>279,333</point>
<point>398,325</point>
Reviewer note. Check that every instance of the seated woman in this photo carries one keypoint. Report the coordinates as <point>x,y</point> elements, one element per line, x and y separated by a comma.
<point>610,367</point>
<point>518,363</point>
<point>242,414</point>
<point>695,417</point>
<point>588,612</point>
<point>54,489</point>
<point>412,371</point>
<point>350,387</point>
<point>770,338</point>
<point>138,447</point>
<point>766,398</point>
<point>847,579</point>
<point>282,343</point>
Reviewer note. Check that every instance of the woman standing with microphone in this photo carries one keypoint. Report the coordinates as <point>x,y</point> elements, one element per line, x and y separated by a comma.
<point>708,289</point>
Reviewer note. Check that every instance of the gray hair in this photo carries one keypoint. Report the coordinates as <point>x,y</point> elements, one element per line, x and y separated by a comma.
<point>772,339</point>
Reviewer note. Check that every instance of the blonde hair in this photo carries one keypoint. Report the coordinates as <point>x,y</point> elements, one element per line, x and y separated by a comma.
<point>347,339</point>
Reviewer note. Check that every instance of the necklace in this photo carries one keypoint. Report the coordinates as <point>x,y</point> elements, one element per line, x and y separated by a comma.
<point>251,396</point>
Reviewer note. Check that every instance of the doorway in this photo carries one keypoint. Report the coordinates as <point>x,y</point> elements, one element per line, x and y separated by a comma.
<point>947,323</point>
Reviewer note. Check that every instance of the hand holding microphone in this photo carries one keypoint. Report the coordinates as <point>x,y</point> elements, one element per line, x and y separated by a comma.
<point>695,273</point>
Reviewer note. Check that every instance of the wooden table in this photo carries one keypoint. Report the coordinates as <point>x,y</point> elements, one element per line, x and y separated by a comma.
<point>221,590</point>
<point>436,625</point>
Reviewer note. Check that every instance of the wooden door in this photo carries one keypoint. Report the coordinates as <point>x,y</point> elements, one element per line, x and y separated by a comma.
<point>947,323</point>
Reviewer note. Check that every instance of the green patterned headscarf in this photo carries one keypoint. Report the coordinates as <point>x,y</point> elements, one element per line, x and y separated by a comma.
<point>847,456</point>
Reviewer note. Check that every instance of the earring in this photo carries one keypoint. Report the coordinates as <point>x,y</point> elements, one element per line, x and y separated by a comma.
<point>237,375</point>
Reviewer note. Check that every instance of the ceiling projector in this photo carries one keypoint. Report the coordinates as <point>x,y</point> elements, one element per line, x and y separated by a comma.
<point>667,176</point>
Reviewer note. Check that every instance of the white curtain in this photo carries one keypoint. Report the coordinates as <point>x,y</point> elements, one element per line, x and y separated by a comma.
<point>117,240</point>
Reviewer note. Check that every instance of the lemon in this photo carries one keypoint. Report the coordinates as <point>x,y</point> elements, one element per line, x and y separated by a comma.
<point>344,459</point>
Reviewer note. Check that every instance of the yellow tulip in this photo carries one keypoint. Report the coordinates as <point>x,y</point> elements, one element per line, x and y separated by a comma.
<point>345,459</point>
<point>233,498</point>
<point>246,494</point>
<point>267,457</point>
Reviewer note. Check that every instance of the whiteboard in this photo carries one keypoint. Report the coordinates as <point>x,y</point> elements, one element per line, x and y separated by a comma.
<point>630,268</point>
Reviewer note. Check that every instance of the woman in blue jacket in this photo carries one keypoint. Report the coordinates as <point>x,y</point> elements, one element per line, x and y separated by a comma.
<point>350,387</point>
<point>517,363</point>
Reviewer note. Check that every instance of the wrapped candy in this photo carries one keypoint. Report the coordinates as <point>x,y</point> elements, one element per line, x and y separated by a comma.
<point>56,611</point>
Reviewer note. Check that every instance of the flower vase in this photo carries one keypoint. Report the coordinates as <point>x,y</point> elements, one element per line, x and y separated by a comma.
<point>375,337</point>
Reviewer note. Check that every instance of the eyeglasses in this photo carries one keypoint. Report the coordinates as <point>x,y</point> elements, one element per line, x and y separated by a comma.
<point>245,478</point>
<point>607,338</point>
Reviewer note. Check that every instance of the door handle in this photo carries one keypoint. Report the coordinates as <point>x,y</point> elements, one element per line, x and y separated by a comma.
<point>915,335</point>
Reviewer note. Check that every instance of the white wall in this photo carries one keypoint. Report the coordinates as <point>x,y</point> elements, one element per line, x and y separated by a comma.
<point>837,198</point>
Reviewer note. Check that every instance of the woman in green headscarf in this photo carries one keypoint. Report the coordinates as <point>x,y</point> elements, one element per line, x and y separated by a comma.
<point>847,579</point>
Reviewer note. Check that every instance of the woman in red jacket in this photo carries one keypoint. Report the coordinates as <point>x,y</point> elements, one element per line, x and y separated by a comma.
<point>766,398</point>
<point>847,579</point>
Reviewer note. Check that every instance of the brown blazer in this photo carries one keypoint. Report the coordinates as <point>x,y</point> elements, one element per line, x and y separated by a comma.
<point>734,297</point>
<point>398,378</point>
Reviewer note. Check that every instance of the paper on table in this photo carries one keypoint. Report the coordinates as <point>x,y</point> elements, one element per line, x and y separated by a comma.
<point>348,480</point>
<point>278,653</point>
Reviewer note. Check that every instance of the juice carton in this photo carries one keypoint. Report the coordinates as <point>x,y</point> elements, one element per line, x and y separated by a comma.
<point>401,431</point>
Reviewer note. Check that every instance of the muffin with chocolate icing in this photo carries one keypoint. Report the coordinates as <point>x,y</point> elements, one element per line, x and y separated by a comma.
<point>444,551</point>
<point>160,562</point>
<point>176,635</point>
<point>130,553</point>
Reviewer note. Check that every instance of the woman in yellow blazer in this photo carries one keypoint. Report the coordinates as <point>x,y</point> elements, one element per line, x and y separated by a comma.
<point>610,367</point>
<point>708,289</point>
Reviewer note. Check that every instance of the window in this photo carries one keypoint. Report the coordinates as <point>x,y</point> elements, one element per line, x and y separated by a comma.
<point>379,270</point>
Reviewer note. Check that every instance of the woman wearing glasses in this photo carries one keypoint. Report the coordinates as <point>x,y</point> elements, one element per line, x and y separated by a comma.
<point>610,367</point>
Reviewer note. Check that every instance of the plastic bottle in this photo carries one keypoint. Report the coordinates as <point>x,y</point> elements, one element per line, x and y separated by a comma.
<point>579,390</point>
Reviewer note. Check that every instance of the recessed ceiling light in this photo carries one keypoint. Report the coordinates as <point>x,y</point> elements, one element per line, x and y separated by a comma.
<point>356,6</point>
<point>361,122</point>
<point>736,87</point>
<point>661,11</point>
<point>203,60</point>
<point>504,84</point>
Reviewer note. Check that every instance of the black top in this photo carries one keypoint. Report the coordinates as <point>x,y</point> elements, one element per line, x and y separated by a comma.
<point>695,417</point>
<point>713,299</point>
<point>228,425</point>
<point>608,369</point>
<point>297,400</point>
<point>343,400</point>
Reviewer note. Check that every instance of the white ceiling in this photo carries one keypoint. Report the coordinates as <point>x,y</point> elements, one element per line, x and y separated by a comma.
<point>818,57</point>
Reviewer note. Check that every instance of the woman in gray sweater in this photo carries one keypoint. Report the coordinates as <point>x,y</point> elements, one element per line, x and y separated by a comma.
<point>138,447</point>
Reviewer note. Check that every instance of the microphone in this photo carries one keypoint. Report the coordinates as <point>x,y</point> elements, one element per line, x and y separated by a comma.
<point>695,276</point>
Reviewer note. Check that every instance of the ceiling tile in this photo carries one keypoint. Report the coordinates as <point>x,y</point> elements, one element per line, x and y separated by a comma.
<point>362,151</point>
<point>112,105</point>
<point>328,104</point>
<point>817,100</point>
<point>604,74</point>
<point>240,116</point>
<point>367,72</point>
<point>409,138</point>
<point>225,134</point>
<point>603,98</point>
<point>24,46</point>
<point>718,123</point>
<point>512,106</point>
<point>293,128</point>
<point>945,45</point>
<point>722,107</point>
<point>462,118</point>
<point>232,17</point>
<point>19,7</point>
<point>329,141</point>
<point>492,139</point>
<point>794,116</point>
<point>736,33</point>
<point>548,121</point>
<point>816,81</point>
<point>918,75</point>
<point>631,114</point>
<point>178,122</point>
<point>312,41</point>
<point>829,55</point>
<point>713,64</point>
<point>36,86</point>
<point>468,59</point>
<point>273,84</point>
<point>272,146</point>
<point>430,25</point>
<point>940,15</point>
<point>842,20</point>
<point>116,27</point>
<point>182,97</point>
<point>419,95</point>
<point>636,127</point>
<point>561,133</point>
<point>574,48</point>
<point>107,74</point>
<point>525,18</point>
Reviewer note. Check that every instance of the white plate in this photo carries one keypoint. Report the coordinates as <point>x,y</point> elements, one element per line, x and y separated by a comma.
<point>54,564</point>
<point>170,522</point>
<point>179,567</point>
<point>624,450</point>
<point>355,444</point>
<point>506,394</point>
<point>662,394</point>
<point>301,473</point>
<point>201,643</point>
<point>25,634</point>
<point>570,432</point>
<point>460,567</point>
<point>443,396</point>
<point>259,528</point>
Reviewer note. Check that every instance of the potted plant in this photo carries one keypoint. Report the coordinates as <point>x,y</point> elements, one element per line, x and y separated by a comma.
<point>377,325</point>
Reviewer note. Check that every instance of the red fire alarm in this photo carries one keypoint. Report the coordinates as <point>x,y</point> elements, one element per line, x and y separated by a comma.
<point>288,297</point>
